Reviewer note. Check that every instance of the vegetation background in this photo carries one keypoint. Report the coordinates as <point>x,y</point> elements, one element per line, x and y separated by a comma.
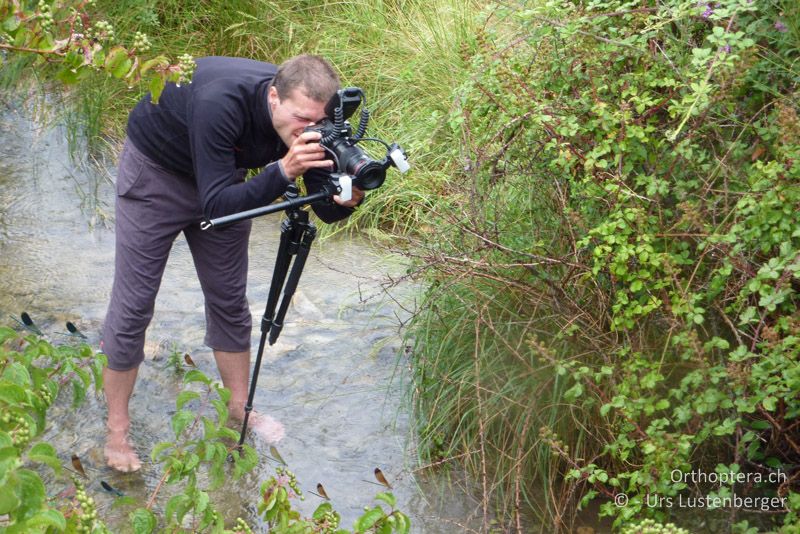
<point>605,210</point>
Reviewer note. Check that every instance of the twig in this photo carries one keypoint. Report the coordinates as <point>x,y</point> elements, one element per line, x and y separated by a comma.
<point>158,488</point>
<point>30,50</point>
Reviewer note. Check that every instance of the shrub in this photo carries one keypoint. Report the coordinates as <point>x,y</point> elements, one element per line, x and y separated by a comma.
<point>619,262</point>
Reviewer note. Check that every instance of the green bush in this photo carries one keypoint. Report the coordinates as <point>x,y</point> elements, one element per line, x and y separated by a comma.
<point>619,263</point>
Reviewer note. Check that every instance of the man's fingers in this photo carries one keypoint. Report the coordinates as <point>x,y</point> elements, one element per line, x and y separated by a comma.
<point>319,163</point>
<point>306,137</point>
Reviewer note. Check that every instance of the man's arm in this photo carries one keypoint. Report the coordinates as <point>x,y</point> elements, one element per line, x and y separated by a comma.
<point>212,134</point>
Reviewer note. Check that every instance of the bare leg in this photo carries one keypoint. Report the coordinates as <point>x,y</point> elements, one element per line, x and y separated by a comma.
<point>118,387</point>
<point>234,369</point>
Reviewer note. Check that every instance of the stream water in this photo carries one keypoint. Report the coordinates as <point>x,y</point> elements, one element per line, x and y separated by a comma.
<point>334,378</point>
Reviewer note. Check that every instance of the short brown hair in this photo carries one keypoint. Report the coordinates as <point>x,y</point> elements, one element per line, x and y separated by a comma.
<point>310,74</point>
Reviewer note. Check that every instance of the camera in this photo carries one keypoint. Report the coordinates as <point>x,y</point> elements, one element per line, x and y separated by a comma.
<point>352,163</point>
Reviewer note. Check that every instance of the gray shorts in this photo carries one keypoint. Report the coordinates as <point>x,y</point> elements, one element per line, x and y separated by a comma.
<point>153,206</point>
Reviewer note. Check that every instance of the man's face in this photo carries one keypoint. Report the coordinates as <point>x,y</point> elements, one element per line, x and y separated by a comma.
<point>293,113</point>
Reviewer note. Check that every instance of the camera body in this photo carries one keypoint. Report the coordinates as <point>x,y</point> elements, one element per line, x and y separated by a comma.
<point>340,142</point>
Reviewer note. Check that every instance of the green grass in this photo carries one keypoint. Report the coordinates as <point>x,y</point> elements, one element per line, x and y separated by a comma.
<point>408,56</point>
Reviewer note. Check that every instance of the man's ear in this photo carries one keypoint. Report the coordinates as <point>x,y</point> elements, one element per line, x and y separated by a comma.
<point>272,96</point>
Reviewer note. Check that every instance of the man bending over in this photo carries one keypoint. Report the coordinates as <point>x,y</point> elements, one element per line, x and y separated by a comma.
<point>184,161</point>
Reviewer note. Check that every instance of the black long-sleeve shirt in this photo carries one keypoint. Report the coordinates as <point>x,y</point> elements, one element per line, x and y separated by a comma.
<point>210,129</point>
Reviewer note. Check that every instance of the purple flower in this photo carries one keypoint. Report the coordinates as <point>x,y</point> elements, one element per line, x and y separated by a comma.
<point>727,49</point>
<point>708,12</point>
<point>780,26</point>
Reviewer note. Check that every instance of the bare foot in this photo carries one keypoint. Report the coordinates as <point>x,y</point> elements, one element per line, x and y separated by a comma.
<point>267,428</point>
<point>119,454</point>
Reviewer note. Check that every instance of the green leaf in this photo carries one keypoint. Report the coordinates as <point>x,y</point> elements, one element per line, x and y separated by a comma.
<point>173,504</point>
<point>369,518</point>
<point>191,462</point>
<point>99,58</point>
<point>770,403</point>
<point>84,375</point>
<point>156,87</point>
<point>30,490</point>
<point>48,518</point>
<point>270,504</point>
<point>387,497</point>
<point>196,375</point>
<point>180,421</point>
<point>46,43</point>
<point>46,454</point>
<point>161,447</point>
<point>160,61</point>
<point>224,394</point>
<point>117,62</point>
<point>8,499</point>
<point>97,371</point>
<point>321,510</point>
<point>201,502</point>
<point>574,392</point>
<point>11,393</point>
<point>78,393</point>
<point>403,522</point>
<point>6,334</point>
<point>143,521</point>
<point>18,374</point>
<point>222,411</point>
<point>186,396</point>
<point>11,23</point>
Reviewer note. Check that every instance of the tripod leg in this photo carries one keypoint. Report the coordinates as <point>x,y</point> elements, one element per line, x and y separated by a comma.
<point>282,262</point>
<point>292,281</point>
<point>253,381</point>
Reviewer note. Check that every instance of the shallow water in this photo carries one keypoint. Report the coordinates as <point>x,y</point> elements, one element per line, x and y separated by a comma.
<point>333,379</point>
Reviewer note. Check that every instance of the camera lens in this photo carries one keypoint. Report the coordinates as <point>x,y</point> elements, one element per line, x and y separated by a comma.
<point>368,173</point>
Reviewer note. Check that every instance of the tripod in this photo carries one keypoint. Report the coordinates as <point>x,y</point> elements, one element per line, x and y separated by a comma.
<point>297,234</point>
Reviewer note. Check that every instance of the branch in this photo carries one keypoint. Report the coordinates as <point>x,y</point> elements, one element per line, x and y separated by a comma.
<point>31,50</point>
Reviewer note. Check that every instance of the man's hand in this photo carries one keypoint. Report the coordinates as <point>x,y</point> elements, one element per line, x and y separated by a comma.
<point>357,195</point>
<point>304,154</point>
